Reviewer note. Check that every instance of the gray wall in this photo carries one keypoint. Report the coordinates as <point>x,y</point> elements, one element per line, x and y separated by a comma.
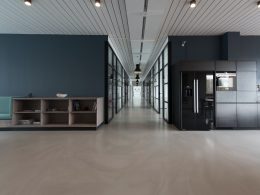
<point>47,64</point>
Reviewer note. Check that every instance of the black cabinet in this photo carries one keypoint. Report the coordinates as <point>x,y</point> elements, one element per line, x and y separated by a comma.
<point>246,81</point>
<point>247,115</point>
<point>226,115</point>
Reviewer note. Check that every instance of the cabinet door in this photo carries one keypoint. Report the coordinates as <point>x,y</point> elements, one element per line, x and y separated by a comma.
<point>258,114</point>
<point>246,66</point>
<point>247,115</point>
<point>226,66</point>
<point>246,81</point>
<point>226,115</point>
<point>226,96</point>
<point>246,97</point>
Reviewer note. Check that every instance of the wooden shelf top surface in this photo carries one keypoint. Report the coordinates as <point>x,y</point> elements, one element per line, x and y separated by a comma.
<point>56,98</point>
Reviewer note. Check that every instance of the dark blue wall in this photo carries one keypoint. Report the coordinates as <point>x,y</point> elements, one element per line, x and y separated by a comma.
<point>47,64</point>
<point>230,46</point>
<point>196,48</point>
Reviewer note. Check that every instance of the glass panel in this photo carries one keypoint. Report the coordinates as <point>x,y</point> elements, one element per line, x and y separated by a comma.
<point>166,92</point>
<point>156,67</point>
<point>110,56</point>
<point>166,55</point>
<point>166,74</point>
<point>166,111</point>
<point>161,62</point>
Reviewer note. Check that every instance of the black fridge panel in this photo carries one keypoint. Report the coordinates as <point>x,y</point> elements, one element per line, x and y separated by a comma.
<point>197,100</point>
<point>246,81</point>
<point>247,115</point>
<point>226,115</point>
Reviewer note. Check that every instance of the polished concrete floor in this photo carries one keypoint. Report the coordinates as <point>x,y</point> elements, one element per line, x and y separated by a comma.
<point>136,154</point>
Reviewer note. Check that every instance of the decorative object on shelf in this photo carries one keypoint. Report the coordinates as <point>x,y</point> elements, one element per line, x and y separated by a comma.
<point>30,95</point>
<point>137,69</point>
<point>26,122</point>
<point>137,77</point>
<point>76,105</point>
<point>137,82</point>
<point>61,95</point>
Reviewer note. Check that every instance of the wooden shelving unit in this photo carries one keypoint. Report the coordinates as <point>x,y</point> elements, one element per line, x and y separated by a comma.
<point>87,112</point>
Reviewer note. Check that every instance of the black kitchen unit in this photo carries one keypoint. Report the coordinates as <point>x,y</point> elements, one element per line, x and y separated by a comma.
<point>197,100</point>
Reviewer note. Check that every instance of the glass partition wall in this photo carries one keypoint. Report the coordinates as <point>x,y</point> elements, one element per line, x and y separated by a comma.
<point>117,81</point>
<point>157,84</point>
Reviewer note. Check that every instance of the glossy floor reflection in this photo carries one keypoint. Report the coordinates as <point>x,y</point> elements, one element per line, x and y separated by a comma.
<point>136,154</point>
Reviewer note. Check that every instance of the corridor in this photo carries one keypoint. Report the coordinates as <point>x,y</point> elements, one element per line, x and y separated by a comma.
<point>137,154</point>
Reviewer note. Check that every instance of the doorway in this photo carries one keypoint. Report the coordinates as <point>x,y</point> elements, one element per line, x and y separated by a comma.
<point>137,96</point>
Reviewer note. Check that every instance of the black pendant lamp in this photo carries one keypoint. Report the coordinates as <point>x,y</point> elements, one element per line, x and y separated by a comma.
<point>137,77</point>
<point>137,82</point>
<point>137,69</point>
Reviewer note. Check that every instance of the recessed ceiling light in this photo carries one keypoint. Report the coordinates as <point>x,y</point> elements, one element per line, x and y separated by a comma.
<point>193,3</point>
<point>258,4</point>
<point>28,2</point>
<point>97,3</point>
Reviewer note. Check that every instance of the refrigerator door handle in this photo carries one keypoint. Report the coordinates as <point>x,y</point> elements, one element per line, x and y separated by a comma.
<point>197,96</point>
<point>194,97</point>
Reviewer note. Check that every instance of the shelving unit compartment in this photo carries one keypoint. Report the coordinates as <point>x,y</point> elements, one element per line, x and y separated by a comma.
<point>84,105</point>
<point>27,105</point>
<point>27,119</point>
<point>56,106</point>
<point>81,119</point>
<point>56,119</point>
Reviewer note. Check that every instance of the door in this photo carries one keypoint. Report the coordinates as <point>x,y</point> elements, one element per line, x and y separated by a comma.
<point>197,100</point>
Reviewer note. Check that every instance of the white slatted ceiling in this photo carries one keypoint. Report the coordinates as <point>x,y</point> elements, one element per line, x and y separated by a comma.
<point>210,17</point>
<point>164,17</point>
<point>70,17</point>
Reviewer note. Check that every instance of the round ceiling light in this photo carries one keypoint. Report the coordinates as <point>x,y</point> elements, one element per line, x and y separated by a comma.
<point>28,2</point>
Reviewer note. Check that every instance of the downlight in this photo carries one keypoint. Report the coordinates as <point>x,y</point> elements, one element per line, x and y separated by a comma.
<point>97,3</point>
<point>258,4</point>
<point>28,2</point>
<point>193,3</point>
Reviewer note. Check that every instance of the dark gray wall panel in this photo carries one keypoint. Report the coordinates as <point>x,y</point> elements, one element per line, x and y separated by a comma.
<point>246,66</point>
<point>226,115</point>
<point>225,66</point>
<point>196,48</point>
<point>246,81</point>
<point>47,64</point>
<point>197,66</point>
<point>226,96</point>
<point>247,115</point>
